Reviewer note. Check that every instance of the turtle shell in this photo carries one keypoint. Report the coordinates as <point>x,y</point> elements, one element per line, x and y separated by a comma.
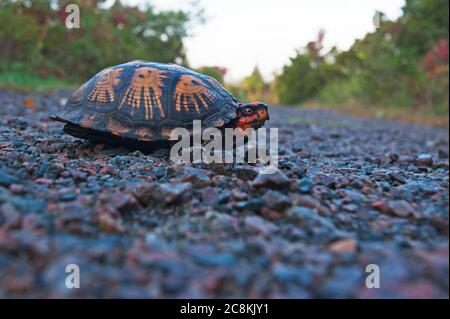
<point>144,101</point>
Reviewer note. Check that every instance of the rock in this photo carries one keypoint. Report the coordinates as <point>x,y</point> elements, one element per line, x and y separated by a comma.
<point>350,208</point>
<point>257,225</point>
<point>166,193</point>
<point>253,205</point>
<point>343,246</point>
<point>276,180</point>
<point>110,223</point>
<point>310,202</point>
<point>245,173</point>
<point>381,206</point>
<point>169,193</point>
<point>402,208</point>
<point>397,177</point>
<point>6,179</point>
<point>287,274</point>
<point>424,160</point>
<point>305,185</point>
<point>197,176</point>
<point>308,219</point>
<point>328,181</point>
<point>393,157</point>
<point>276,200</point>
<point>238,195</point>
<point>144,192</point>
<point>124,203</point>
<point>210,196</point>
<point>214,260</point>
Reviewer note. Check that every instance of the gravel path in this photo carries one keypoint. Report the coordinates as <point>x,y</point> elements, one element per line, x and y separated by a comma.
<point>350,193</point>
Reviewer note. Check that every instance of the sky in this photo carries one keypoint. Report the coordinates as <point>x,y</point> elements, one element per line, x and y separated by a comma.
<point>242,34</point>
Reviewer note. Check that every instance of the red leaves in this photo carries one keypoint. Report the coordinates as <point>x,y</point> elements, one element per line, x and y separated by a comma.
<point>435,59</point>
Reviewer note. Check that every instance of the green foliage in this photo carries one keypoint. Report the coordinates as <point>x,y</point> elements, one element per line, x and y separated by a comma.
<point>34,32</point>
<point>306,75</point>
<point>254,88</point>
<point>404,63</point>
<point>18,78</point>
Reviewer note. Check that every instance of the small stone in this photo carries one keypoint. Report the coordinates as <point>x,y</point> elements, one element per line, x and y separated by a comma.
<point>397,177</point>
<point>289,274</point>
<point>122,202</point>
<point>110,223</point>
<point>246,173</point>
<point>381,206</point>
<point>305,185</point>
<point>6,179</point>
<point>343,246</point>
<point>402,208</point>
<point>197,176</point>
<point>257,225</point>
<point>144,192</point>
<point>308,218</point>
<point>276,200</point>
<point>310,202</point>
<point>424,160</point>
<point>393,157</point>
<point>210,196</point>
<point>253,205</point>
<point>169,193</point>
<point>238,195</point>
<point>276,180</point>
<point>350,208</point>
<point>215,259</point>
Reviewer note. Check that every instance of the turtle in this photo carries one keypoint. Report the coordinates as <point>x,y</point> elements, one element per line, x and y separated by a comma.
<point>141,102</point>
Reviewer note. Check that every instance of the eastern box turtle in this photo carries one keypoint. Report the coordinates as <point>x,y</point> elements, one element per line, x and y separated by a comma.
<point>143,101</point>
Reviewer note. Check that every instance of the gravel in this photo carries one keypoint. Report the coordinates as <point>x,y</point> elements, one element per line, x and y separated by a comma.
<point>350,192</point>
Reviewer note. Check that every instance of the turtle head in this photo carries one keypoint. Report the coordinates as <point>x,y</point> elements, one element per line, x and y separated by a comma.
<point>252,115</point>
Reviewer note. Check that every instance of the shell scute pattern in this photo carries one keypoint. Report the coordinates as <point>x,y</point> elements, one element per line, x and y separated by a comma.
<point>146,90</point>
<point>104,87</point>
<point>193,94</point>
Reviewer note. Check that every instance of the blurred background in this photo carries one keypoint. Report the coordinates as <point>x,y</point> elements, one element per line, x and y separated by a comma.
<point>364,57</point>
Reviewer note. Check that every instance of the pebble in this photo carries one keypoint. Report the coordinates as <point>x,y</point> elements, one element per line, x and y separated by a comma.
<point>7,179</point>
<point>275,181</point>
<point>343,246</point>
<point>305,185</point>
<point>424,160</point>
<point>276,200</point>
<point>402,208</point>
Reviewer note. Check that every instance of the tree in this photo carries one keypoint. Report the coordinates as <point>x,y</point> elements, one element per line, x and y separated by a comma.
<point>306,75</point>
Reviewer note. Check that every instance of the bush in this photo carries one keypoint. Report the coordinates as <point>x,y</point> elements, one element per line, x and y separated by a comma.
<point>34,32</point>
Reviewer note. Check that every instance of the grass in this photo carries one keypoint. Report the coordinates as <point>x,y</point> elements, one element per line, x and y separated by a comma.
<point>433,117</point>
<point>26,82</point>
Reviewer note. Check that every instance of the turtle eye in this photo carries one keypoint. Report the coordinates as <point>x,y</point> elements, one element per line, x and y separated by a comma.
<point>248,111</point>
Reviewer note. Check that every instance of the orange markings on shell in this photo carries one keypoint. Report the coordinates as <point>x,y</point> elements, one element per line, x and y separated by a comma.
<point>103,91</point>
<point>191,91</point>
<point>146,86</point>
<point>116,128</point>
<point>87,121</point>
